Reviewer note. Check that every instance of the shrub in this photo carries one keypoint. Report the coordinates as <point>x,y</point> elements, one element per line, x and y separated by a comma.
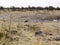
<point>6,36</point>
<point>1,35</point>
<point>51,8</point>
<point>58,8</point>
<point>13,8</point>
<point>1,8</point>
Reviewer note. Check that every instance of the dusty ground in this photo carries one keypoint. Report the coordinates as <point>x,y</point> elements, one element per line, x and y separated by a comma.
<point>29,28</point>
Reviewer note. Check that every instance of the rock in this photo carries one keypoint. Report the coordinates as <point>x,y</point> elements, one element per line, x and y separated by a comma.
<point>57,38</point>
<point>46,33</point>
<point>26,20</point>
<point>38,33</point>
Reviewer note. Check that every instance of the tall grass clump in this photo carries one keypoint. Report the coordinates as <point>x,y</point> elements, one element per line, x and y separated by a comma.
<point>1,35</point>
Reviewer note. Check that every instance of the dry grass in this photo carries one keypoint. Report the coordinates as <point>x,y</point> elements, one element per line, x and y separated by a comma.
<point>27,36</point>
<point>24,33</point>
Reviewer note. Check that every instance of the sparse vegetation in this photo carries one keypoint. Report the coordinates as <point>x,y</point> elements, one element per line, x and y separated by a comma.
<point>1,8</point>
<point>30,8</point>
<point>1,35</point>
<point>22,27</point>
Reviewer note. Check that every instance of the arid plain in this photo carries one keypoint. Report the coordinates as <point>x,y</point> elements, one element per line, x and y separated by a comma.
<point>40,27</point>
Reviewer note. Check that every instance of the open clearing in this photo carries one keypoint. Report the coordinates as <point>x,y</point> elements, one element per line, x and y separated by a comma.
<point>30,27</point>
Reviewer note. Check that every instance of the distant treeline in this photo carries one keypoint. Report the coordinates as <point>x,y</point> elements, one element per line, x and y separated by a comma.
<point>30,8</point>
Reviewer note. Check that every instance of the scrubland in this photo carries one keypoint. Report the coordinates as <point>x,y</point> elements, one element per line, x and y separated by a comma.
<point>40,27</point>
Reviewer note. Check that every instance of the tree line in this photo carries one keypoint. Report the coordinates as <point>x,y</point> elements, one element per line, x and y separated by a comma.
<point>30,8</point>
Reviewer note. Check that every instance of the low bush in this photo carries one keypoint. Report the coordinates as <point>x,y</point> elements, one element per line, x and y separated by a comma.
<point>1,35</point>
